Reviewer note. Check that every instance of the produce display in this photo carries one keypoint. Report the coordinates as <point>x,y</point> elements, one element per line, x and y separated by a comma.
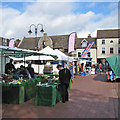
<point>17,91</point>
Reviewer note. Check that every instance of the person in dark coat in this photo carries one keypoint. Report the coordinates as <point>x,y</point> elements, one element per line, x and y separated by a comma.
<point>30,70</point>
<point>23,72</point>
<point>64,77</point>
<point>9,67</point>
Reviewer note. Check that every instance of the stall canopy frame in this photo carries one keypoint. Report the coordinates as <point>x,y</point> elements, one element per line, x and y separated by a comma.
<point>20,53</point>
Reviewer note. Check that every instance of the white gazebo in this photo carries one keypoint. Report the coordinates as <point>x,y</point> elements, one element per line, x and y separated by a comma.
<point>48,50</point>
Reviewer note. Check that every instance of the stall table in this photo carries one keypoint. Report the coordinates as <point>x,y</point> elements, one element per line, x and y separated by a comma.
<point>47,95</point>
<point>13,94</point>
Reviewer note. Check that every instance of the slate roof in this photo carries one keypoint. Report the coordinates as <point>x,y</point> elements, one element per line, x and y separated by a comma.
<point>60,41</point>
<point>28,43</point>
<point>79,40</point>
<point>111,33</point>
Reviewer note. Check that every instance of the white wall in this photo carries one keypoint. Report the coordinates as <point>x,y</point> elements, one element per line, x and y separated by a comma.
<point>107,46</point>
<point>93,54</point>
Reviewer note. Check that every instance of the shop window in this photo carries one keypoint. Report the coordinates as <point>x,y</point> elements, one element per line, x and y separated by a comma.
<point>103,50</point>
<point>111,50</point>
<point>103,41</point>
<point>88,54</point>
<point>79,54</point>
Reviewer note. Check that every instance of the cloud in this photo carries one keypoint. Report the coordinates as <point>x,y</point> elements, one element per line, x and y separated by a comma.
<point>56,18</point>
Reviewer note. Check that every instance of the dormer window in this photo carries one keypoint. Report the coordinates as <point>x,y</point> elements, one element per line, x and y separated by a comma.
<point>84,43</point>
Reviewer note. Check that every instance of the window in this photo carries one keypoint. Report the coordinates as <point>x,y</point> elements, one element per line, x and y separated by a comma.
<point>119,41</point>
<point>79,54</point>
<point>119,50</point>
<point>84,43</point>
<point>88,54</point>
<point>5,42</point>
<point>103,50</point>
<point>111,50</point>
<point>111,41</point>
<point>65,50</point>
<point>103,41</point>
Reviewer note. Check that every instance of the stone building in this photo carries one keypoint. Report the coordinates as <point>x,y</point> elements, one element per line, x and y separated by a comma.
<point>56,42</point>
<point>4,41</point>
<point>61,42</point>
<point>81,44</point>
<point>108,44</point>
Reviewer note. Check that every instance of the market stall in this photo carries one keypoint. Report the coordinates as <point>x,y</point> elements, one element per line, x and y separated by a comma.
<point>17,91</point>
<point>114,64</point>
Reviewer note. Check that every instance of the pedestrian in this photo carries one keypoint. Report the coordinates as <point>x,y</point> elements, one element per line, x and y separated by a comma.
<point>64,77</point>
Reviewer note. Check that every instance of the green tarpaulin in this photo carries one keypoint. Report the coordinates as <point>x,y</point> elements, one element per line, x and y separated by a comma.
<point>114,63</point>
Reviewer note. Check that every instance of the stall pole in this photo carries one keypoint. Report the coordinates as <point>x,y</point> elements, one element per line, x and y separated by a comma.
<point>39,65</point>
<point>24,59</point>
<point>1,62</point>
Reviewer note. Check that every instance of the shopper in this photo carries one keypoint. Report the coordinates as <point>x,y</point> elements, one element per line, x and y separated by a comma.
<point>30,70</point>
<point>64,77</point>
<point>71,70</point>
<point>100,68</point>
<point>23,72</point>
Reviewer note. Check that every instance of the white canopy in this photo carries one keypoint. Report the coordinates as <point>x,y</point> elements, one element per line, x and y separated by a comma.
<point>68,58</point>
<point>48,50</point>
<point>42,57</point>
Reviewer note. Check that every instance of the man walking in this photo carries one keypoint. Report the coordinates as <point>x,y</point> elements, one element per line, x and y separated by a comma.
<point>64,77</point>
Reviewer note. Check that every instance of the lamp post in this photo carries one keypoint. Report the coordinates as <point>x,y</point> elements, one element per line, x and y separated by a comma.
<point>36,29</point>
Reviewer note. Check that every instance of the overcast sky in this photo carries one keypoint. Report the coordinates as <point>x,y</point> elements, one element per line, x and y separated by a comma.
<point>58,18</point>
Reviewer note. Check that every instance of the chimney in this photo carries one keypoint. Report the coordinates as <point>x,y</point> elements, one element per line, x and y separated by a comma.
<point>89,35</point>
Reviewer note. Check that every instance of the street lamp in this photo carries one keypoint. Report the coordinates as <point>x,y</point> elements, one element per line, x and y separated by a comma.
<point>36,28</point>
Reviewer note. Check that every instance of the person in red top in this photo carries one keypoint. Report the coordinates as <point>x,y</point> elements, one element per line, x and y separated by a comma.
<point>100,67</point>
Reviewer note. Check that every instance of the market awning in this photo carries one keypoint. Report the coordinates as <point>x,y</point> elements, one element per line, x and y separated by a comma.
<point>114,63</point>
<point>20,53</point>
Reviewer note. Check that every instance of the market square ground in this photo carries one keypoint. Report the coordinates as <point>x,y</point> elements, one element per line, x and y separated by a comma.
<point>90,97</point>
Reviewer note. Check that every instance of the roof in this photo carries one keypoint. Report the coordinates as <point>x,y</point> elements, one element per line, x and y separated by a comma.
<point>79,40</point>
<point>60,41</point>
<point>28,43</point>
<point>112,33</point>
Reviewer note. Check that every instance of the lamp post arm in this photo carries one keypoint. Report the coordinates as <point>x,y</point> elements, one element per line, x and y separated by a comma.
<point>32,25</point>
<point>39,24</point>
